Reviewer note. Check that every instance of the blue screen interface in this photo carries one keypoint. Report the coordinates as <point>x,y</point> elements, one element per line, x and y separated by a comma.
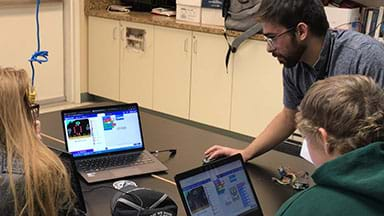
<point>224,190</point>
<point>102,131</point>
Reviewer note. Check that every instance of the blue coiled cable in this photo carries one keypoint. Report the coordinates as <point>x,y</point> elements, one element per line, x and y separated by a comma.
<point>39,56</point>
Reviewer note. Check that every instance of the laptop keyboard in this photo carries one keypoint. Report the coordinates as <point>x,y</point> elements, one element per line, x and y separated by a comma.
<point>115,161</point>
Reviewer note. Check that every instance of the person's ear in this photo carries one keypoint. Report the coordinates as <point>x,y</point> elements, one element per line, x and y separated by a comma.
<point>302,30</point>
<point>324,139</point>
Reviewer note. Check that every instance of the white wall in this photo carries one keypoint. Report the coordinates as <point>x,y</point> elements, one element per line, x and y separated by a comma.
<point>18,43</point>
<point>83,49</point>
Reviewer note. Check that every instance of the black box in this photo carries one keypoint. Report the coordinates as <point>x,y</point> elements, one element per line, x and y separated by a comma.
<point>147,5</point>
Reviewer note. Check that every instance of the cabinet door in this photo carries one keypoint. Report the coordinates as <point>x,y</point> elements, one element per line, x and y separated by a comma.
<point>172,65</point>
<point>257,88</point>
<point>210,82</point>
<point>104,57</point>
<point>136,72</point>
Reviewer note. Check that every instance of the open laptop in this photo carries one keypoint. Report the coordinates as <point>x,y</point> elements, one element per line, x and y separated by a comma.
<point>221,187</point>
<point>107,142</point>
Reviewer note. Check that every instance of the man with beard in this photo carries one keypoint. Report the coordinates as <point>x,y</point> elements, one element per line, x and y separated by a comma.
<point>298,35</point>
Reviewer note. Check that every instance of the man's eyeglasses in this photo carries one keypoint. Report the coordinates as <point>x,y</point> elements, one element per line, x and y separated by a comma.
<point>270,40</point>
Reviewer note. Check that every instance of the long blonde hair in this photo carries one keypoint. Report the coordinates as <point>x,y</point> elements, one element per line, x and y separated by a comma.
<point>47,186</point>
<point>349,107</point>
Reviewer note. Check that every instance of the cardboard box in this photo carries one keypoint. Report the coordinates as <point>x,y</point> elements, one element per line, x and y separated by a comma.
<point>343,18</point>
<point>188,13</point>
<point>212,16</point>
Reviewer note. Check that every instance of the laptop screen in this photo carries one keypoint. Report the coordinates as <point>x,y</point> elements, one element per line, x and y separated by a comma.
<point>218,189</point>
<point>101,130</point>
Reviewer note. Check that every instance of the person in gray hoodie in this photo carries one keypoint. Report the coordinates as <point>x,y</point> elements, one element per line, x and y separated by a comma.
<point>342,121</point>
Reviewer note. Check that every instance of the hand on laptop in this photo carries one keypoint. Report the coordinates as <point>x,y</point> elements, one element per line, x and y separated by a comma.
<point>217,151</point>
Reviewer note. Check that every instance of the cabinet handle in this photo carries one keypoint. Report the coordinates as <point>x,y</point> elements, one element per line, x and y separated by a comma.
<point>122,34</point>
<point>114,33</point>
<point>186,42</point>
<point>194,45</point>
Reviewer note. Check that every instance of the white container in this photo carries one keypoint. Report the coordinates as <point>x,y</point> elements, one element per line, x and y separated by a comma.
<point>342,18</point>
<point>212,16</point>
<point>188,13</point>
<point>189,2</point>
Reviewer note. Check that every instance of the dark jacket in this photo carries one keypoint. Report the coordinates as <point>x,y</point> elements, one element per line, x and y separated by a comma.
<point>352,184</point>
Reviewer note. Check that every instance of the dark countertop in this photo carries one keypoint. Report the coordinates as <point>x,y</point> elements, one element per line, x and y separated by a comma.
<point>190,141</point>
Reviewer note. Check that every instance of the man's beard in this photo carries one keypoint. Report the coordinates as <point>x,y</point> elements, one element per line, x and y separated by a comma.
<point>294,57</point>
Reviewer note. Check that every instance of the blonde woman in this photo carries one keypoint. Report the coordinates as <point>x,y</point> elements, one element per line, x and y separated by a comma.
<point>33,181</point>
<point>342,120</point>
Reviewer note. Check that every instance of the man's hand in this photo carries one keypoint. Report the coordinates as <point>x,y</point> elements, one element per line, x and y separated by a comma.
<point>276,132</point>
<point>217,151</point>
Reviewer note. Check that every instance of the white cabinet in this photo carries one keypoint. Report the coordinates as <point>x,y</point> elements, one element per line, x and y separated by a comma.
<point>136,72</point>
<point>190,78</point>
<point>210,82</point>
<point>257,88</point>
<point>172,71</point>
<point>121,60</point>
<point>104,57</point>
<point>182,73</point>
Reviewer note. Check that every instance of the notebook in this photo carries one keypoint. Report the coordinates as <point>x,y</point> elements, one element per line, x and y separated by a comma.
<point>221,187</point>
<point>107,142</point>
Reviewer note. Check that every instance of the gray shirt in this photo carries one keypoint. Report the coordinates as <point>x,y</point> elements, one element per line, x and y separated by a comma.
<point>6,196</point>
<point>343,52</point>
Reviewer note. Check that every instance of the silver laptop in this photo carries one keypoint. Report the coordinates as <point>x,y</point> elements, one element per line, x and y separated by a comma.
<point>107,142</point>
<point>221,187</point>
